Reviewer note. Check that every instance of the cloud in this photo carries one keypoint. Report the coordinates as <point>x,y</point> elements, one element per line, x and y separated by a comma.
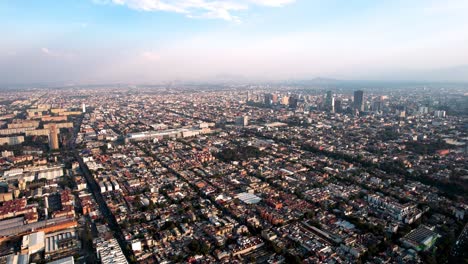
<point>150,56</point>
<point>46,51</point>
<point>274,3</point>
<point>210,9</point>
<point>56,54</point>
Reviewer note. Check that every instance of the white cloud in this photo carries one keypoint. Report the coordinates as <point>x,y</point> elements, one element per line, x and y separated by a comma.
<point>211,9</point>
<point>275,3</point>
<point>46,51</point>
<point>150,55</point>
<point>56,54</point>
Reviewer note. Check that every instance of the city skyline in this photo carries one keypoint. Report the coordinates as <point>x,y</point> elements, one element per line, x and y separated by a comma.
<point>265,173</point>
<point>233,131</point>
<point>144,41</point>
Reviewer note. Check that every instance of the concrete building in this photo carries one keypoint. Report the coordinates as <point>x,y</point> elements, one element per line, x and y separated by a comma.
<point>18,259</point>
<point>37,132</point>
<point>109,251</point>
<point>53,137</point>
<point>421,238</point>
<point>330,102</point>
<point>67,260</point>
<point>242,121</point>
<point>11,140</point>
<point>169,133</point>
<point>24,124</point>
<point>439,113</point>
<point>423,110</point>
<point>33,243</point>
<point>59,125</point>
<point>359,100</point>
<point>61,242</point>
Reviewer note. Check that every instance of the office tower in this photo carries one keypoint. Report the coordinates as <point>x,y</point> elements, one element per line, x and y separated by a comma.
<point>329,96</point>
<point>377,106</point>
<point>359,100</point>
<point>439,113</point>
<point>423,110</point>
<point>84,108</point>
<point>338,107</point>
<point>53,137</point>
<point>293,101</point>
<point>330,102</point>
<point>242,121</point>
<point>332,105</point>
<point>401,113</point>
<point>274,98</point>
<point>285,100</point>
<point>268,99</point>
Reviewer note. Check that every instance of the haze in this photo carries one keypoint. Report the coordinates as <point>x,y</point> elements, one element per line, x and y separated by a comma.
<point>142,41</point>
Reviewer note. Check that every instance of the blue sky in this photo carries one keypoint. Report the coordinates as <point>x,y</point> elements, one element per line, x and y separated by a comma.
<point>142,41</point>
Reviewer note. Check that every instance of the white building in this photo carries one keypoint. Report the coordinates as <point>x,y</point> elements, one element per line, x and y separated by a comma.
<point>116,185</point>
<point>67,260</point>
<point>34,242</point>
<point>102,187</point>
<point>109,251</point>
<point>439,113</point>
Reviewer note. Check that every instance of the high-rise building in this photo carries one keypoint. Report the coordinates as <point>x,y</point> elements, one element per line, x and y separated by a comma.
<point>274,98</point>
<point>338,107</point>
<point>359,100</point>
<point>84,108</point>
<point>268,99</point>
<point>330,102</point>
<point>285,100</point>
<point>439,113</point>
<point>377,106</point>
<point>423,110</point>
<point>53,137</point>
<point>293,101</point>
<point>242,121</point>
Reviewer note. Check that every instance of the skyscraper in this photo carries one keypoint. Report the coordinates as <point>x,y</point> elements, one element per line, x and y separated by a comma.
<point>274,98</point>
<point>330,102</point>
<point>53,137</point>
<point>338,107</point>
<point>377,106</point>
<point>359,100</point>
<point>293,101</point>
<point>268,99</point>
<point>84,108</point>
<point>242,121</point>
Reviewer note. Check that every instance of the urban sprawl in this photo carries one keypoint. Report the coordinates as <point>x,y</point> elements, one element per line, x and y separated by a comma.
<point>233,174</point>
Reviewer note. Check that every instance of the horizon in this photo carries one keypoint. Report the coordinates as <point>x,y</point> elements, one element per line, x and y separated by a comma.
<point>319,83</point>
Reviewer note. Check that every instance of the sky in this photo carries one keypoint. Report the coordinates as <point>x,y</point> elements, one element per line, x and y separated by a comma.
<point>146,41</point>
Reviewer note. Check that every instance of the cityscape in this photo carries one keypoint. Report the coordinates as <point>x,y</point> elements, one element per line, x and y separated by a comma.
<point>234,174</point>
<point>233,131</point>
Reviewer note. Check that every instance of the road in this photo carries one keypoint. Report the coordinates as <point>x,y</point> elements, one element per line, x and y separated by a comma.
<point>93,187</point>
